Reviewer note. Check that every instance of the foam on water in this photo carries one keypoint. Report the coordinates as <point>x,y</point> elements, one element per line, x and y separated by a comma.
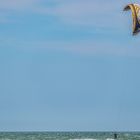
<point>82,139</point>
<point>91,139</point>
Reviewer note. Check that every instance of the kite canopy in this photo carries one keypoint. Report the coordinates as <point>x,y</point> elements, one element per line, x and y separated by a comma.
<point>135,8</point>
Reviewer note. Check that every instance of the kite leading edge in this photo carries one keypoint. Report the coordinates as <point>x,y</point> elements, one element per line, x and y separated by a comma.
<point>135,8</point>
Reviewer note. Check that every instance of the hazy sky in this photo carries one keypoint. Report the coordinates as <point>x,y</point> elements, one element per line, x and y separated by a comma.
<point>68,65</point>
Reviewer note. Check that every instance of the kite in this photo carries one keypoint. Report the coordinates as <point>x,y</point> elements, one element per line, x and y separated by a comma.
<point>135,8</point>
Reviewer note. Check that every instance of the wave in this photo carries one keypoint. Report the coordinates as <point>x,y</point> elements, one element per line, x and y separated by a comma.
<point>91,139</point>
<point>82,139</point>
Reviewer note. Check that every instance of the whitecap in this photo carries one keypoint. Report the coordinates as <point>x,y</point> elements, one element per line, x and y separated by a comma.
<point>82,139</point>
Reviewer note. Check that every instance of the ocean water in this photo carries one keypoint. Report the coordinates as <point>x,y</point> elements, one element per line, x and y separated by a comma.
<point>68,136</point>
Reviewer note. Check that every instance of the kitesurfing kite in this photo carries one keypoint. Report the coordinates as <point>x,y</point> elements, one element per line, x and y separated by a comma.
<point>135,8</point>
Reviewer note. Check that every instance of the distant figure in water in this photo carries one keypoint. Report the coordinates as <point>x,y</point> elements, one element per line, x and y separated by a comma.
<point>115,136</point>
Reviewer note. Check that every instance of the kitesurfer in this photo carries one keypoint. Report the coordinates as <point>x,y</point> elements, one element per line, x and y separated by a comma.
<point>115,136</point>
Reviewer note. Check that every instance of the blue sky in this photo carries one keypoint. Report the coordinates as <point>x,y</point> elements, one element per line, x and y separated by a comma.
<point>68,65</point>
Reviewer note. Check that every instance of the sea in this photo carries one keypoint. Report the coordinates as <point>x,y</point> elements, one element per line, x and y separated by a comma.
<point>69,136</point>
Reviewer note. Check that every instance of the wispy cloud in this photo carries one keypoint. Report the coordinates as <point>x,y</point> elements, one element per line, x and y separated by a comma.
<point>13,7</point>
<point>81,12</point>
<point>102,48</point>
<point>93,48</point>
<point>97,13</point>
<point>16,4</point>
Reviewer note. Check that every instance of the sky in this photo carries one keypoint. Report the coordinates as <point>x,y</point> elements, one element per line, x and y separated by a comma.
<point>68,65</point>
